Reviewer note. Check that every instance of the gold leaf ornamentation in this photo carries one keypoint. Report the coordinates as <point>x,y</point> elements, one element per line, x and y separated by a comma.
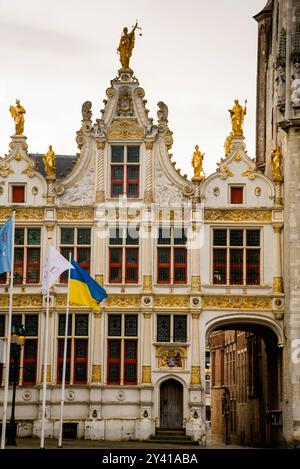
<point>5,169</point>
<point>146,374</point>
<point>172,301</point>
<point>127,129</point>
<point>195,375</point>
<point>122,301</point>
<point>237,302</point>
<point>237,215</point>
<point>75,213</point>
<point>22,301</point>
<point>96,373</point>
<point>23,214</point>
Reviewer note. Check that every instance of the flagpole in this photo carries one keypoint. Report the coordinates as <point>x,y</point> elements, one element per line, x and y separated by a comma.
<point>8,334</point>
<point>63,379</point>
<point>42,443</point>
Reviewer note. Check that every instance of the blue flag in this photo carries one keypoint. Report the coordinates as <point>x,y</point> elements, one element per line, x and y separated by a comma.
<point>6,246</point>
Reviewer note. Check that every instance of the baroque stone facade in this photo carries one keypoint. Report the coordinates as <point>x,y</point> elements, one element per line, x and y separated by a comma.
<point>170,284</point>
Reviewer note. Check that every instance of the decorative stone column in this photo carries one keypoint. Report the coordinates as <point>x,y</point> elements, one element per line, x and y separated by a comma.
<point>195,259</point>
<point>278,193</point>
<point>195,368</point>
<point>148,194</point>
<point>96,364</point>
<point>50,192</point>
<point>146,369</point>
<point>100,193</point>
<point>147,258</point>
<point>277,279</point>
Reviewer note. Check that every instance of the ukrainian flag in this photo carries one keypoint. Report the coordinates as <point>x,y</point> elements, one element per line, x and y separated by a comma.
<point>84,290</point>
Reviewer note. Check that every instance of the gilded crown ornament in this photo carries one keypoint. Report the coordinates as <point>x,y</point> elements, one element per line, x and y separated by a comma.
<point>17,113</point>
<point>126,45</point>
<point>197,163</point>
<point>237,114</point>
<point>49,160</point>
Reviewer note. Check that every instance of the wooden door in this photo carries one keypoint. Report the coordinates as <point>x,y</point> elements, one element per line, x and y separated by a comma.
<point>171,403</point>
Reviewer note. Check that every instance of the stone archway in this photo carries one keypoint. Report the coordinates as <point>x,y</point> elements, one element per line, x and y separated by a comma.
<point>246,381</point>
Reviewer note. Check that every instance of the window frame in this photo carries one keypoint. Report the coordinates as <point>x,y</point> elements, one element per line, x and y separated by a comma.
<point>73,360</point>
<point>123,340</point>
<point>172,247</point>
<point>125,164</point>
<point>24,265</point>
<point>245,247</point>
<point>22,359</point>
<point>12,187</point>
<point>172,328</point>
<point>124,247</point>
<point>75,249</point>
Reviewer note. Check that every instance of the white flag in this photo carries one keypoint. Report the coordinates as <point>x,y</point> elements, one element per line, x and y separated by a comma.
<point>2,351</point>
<point>55,265</point>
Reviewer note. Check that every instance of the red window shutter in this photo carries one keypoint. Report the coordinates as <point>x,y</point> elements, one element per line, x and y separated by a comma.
<point>30,362</point>
<point>219,266</point>
<point>236,195</point>
<point>163,268</point>
<point>236,266</point>
<point>117,180</point>
<point>180,265</point>
<point>114,361</point>
<point>33,265</point>
<point>18,194</point>
<point>130,362</point>
<point>60,359</point>
<point>132,265</point>
<point>133,176</point>
<point>80,361</point>
<point>115,265</point>
<point>253,266</point>
<point>84,258</point>
<point>19,265</point>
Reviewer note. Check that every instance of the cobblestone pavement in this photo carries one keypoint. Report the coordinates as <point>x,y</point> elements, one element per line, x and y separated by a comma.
<point>23,443</point>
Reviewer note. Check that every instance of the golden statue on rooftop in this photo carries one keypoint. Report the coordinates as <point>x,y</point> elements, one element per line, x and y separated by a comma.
<point>17,113</point>
<point>237,114</point>
<point>126,45</point>
<point>276,158</point>
<point>197,163</point>
<point>227,144</point>
<point>49,160</point>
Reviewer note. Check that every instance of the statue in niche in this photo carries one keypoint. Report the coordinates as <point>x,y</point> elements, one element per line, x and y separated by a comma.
<point>49,160</point>
<point>197,163</point>
<point>237,114</point>
<point>295,98</point>
<point>17,113</point>
<point>276,158</point>
<point>280,80</point>
<point>125,105</point>
<point>126,45</point>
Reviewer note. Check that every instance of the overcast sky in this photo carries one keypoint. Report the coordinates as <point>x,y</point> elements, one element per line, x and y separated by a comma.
<point>195,55</point>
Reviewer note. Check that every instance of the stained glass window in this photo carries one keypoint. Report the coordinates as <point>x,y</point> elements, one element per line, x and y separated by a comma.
<point>114,325</point>
<point>131,325</point>
<point>163,328</point>
<point>81,324</point>
<point>31,325</point>
<point>179,328</point>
